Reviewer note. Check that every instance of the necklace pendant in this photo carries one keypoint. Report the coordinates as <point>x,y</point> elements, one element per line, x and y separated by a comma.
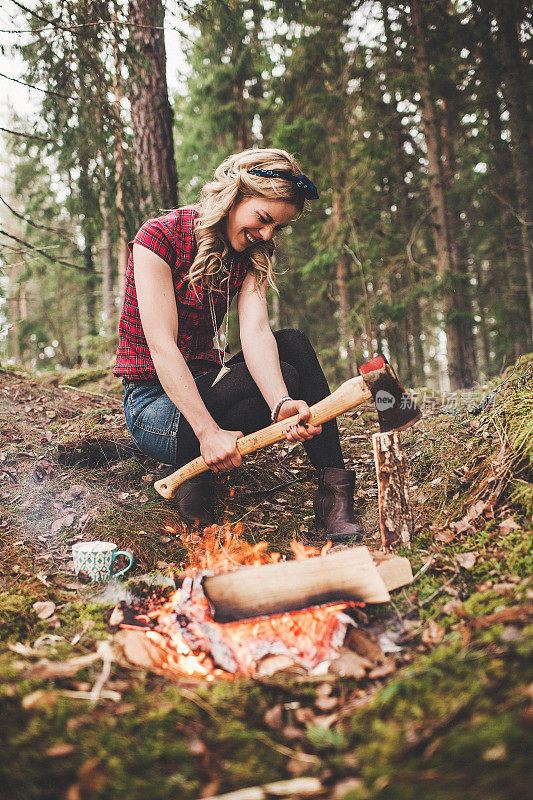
<point>223,371</point>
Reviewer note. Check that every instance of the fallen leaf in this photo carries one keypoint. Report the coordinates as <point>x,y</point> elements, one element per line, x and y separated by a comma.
<point>452,606</point>
<point>58,750</point>
<point>364,644</point>
<point>39,699</point>
<point>463,526</point>
<point>326,702</point>
<point>137,649</point>
<point>44,609</point>
<point>496,753</point>
<point>274,717</point>
<point>291,732</point>
<point>508,525</point>
<point>350,665</point>
<point>477,509</point>
<point>305,716</point>
<point>348,786</point>
<point>503,588</point>
<point>91,777</point>
<point>325,721</point>
<point>445,536</point>
<point>143,499</point>
<point>433,634</point>
<point>381,671</point>
<point>117,616</point>
<point>466,560</point>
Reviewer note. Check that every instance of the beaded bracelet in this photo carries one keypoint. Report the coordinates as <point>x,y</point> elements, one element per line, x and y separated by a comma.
<point>277,408</point>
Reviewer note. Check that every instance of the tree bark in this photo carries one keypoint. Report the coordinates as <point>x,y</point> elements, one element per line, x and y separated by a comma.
<point>107,260</point>
<point>504,282</point>
<point>516,101</point>
<point>14,314</point>
<point>345,335</point>
<point>461,274</point>
<point>118,150</point>
<point>151,113</point>
<point>459,377</point>
<point>412,321</point>
<point>395,517</point>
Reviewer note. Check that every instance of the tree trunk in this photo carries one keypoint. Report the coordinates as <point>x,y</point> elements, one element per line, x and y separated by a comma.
<point>151,113</point>
<point>500,176</point>
<point>242,128</point>
<point>92,323</point>
<point>516,101</point>
<point>107,260</point>
<point>441,233</point>
<point>483,328</point>
<point>395,516</point>
<point>411,324</point>
<point>14,314</point>
<point>118,88</point>
<point>461,275</point>
<point>345,335</point>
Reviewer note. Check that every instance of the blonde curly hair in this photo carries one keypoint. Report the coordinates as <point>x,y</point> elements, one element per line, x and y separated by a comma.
<point>232,181</point>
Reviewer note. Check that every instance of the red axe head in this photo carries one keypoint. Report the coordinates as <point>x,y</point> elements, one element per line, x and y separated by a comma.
<point>396,408</point>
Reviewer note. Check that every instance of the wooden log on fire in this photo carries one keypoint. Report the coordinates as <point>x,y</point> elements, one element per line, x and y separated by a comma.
<point>349,574</point>
<point>395,516</point>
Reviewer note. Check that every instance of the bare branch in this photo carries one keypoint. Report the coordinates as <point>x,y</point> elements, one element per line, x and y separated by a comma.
<point>43,253</point>
<point>29,135</point>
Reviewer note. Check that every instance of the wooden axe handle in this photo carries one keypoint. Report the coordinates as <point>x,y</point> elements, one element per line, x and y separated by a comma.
<point>351,393</point>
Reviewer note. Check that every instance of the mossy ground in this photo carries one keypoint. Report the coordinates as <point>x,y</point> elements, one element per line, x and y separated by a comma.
<point>454,721</point>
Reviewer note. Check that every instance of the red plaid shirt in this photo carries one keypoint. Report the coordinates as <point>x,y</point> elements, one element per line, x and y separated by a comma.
<point>171,237</point>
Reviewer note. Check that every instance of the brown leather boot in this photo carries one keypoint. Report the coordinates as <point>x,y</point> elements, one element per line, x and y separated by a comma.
<point>193,500</point>
<point>333,504</point>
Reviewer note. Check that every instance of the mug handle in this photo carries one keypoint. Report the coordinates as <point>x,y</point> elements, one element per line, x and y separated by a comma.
<point>121,553</point>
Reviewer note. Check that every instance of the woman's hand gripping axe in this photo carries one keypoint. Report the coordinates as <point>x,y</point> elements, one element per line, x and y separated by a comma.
<point>378,381</point>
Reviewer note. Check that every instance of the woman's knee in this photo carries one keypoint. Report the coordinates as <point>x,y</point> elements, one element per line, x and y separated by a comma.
<point>293,345</point>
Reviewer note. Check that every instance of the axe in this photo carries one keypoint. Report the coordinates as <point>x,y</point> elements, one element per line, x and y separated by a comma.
<point>378,381</point>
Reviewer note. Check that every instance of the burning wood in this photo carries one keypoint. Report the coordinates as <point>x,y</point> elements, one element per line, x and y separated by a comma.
<point>180,635</point>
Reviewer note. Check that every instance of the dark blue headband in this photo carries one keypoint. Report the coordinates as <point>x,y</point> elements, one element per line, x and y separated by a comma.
<point>302,182</point>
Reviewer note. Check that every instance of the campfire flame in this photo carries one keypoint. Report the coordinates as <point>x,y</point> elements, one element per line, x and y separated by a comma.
<point>187,641</point>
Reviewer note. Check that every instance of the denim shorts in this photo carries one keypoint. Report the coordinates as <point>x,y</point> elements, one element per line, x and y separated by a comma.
<point>152,419</point>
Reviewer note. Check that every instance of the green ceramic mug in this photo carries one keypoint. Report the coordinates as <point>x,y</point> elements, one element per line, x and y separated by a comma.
<point>96,559</point>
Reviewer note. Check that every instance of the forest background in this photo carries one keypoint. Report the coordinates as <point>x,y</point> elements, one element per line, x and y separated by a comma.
<point>414,120</point>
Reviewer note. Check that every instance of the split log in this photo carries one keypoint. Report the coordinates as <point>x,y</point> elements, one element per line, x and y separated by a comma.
<point>395,516</point>
<point>393,570</point>
<point>291,585</point>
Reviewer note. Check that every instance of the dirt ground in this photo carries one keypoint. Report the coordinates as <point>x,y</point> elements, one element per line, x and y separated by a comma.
<point>437,697</point>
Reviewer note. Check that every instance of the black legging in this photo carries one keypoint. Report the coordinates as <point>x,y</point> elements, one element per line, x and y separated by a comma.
<point>236,404</point>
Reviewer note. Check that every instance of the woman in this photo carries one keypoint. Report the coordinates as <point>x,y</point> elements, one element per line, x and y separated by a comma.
<point>182,398</point>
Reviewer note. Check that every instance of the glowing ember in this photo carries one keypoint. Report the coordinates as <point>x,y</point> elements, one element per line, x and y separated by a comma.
<point>190,642</point>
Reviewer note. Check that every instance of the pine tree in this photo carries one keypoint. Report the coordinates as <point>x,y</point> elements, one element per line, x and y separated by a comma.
<point>151,113</point>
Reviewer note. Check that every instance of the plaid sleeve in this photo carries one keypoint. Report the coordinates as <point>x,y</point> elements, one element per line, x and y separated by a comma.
<point>155,236</point>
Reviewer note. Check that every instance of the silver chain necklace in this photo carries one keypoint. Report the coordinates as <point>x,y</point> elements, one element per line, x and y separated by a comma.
<point>223,369</point>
